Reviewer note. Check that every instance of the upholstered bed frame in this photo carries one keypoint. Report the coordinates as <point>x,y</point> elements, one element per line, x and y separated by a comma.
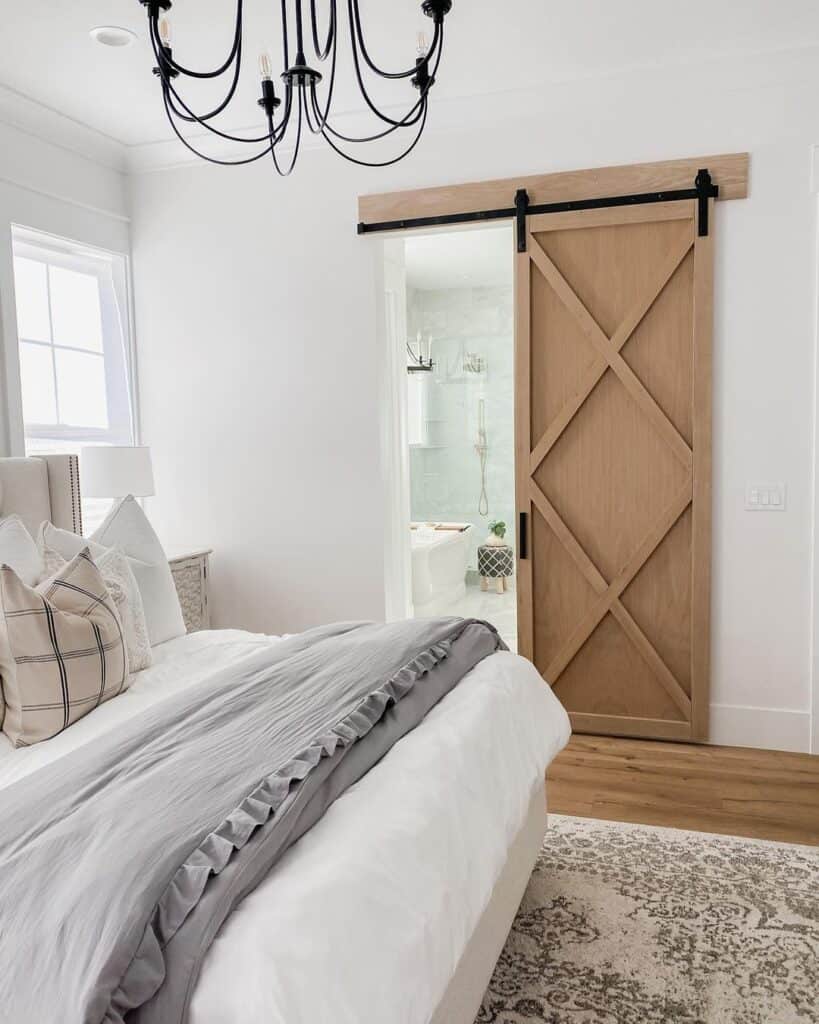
<point>48,487</point>
<point>45,487</point>
<point>464,995</point>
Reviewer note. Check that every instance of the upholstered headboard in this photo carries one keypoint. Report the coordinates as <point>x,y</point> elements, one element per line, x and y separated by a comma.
<point>45,487</point>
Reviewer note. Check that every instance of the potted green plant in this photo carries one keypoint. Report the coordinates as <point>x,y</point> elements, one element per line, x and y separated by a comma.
<point>497,532</point>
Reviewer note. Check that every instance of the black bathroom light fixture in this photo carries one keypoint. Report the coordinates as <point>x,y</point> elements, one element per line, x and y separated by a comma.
<point>416,363</point>
<point>305,102</point>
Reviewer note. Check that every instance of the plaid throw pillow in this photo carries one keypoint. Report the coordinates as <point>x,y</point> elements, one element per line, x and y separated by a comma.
<point>62,651</point>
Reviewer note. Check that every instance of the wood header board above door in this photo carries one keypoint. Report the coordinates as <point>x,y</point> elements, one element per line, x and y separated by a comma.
<point>729,172</point>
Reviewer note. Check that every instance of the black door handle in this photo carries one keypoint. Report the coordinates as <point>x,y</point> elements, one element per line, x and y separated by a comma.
<point>523,547</point>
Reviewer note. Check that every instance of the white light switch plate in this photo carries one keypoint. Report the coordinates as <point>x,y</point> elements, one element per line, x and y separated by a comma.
<point>765,497</point>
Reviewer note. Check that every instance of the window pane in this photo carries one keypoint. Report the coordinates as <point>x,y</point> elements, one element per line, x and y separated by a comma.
<point>75,309</point>
<point>81,388</point>
<point>31,293</point>
<point>37,375</point>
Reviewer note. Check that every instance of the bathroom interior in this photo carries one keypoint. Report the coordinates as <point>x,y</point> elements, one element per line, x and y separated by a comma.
<point>460,424</point>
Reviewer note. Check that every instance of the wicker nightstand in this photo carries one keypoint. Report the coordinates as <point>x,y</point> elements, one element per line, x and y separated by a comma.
<point>191,577</point>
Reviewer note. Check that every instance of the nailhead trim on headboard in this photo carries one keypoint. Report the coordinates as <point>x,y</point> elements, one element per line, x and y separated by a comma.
<point>76,502</point>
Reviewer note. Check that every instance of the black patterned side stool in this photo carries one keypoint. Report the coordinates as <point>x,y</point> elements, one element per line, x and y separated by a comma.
<point>495,563</point>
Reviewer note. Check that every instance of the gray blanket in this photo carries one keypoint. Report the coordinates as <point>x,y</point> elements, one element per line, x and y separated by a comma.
<point>120,861</point>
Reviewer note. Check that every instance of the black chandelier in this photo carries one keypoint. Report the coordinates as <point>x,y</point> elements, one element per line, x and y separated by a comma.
<point>301,103</point>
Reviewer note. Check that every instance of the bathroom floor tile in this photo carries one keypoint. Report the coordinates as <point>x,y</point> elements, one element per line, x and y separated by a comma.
<point>499,609</point>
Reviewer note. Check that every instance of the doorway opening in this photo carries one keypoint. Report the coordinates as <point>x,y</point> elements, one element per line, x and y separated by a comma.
<point>452,326</point>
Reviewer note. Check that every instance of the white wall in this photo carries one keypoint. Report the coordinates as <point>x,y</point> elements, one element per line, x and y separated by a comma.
<point>53,189</point>
<point>257,339</point>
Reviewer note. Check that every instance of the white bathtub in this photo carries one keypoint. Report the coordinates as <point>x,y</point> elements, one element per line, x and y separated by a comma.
<point>439,562</point>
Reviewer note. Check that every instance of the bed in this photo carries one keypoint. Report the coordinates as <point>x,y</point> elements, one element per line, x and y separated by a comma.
<point>396,904</point>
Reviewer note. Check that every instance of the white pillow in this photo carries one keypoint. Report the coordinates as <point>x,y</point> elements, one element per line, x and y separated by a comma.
<point>119,578</point>
<point>126,527</point>
<point>18,549</point>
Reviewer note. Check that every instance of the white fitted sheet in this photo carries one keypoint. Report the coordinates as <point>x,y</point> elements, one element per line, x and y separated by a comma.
<point>364,920</point>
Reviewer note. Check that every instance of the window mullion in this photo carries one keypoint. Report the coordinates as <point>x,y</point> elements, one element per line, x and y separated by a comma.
<point>51,335</point>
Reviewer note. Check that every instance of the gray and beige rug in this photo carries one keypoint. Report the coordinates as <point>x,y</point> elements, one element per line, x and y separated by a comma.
<point>629,924</point>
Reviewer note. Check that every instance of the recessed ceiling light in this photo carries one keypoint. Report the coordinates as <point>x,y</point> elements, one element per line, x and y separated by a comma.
<point>113,35</point>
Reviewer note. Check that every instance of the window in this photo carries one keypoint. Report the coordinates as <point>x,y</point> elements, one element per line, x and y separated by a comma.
<point>72,327</point>
<point>73,357</point>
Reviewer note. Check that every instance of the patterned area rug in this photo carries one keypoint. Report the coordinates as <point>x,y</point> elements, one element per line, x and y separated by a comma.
<point>630,924</point>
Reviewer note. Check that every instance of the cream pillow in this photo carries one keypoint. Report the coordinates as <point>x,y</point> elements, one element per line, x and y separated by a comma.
<point>62,650</point>
<point>126,527</point>
<point>17,549</point>
<point>122,586</point>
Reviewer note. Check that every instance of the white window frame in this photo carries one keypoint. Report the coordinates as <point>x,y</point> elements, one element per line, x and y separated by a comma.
<point>111,271</point>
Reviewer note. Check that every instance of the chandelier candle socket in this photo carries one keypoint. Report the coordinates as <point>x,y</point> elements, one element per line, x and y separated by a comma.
<point>307,98</point>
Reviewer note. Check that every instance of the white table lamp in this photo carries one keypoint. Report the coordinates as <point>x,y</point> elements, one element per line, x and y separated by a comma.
<point>113,471</point>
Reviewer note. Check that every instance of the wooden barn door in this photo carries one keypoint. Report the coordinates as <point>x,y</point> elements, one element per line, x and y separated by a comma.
<point>613,452</point>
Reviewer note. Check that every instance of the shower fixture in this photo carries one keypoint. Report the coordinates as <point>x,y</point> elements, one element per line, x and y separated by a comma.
<point>473,363</point>
<point>482,449</point>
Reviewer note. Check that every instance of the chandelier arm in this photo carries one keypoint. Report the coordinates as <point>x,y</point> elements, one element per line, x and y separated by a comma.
<point>424,92</point>
<point>202,156</point>
<point>357,65</point>
<point>321,118</point>
<point>189,116</point>
<point>174,98</point>
<point>289,171</point>
<point>299,31</point>
<point>285,45</point>
<point>153,21</point>
<point>410,119</point>
<point>202,118</point>
<point>382,163</point>
<point>323,52</point>
<point>315,130</point>
<point>355,28</point>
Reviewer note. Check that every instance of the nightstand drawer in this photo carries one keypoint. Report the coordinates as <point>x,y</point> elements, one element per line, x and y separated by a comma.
<point>190,576</point>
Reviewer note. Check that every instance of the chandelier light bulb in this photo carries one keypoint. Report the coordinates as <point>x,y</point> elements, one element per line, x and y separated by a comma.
<point>423,46</point>
<point>165,30</point>
<point>265,66</point>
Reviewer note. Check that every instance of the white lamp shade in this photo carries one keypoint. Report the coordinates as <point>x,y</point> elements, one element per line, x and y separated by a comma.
<point>113,471</point>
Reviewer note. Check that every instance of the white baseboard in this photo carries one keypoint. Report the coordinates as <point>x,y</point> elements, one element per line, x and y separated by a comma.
<point>736,725</point>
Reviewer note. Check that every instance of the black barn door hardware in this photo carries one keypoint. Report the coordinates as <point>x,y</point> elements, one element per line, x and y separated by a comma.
<point>521,209</point>
<point>523,522</point>
<point>706,190</point>
<point>703,190</point>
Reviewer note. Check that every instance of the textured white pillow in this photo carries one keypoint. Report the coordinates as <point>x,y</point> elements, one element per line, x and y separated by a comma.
<point>18,549</point>
<point>119,578</point>
<point>126,527</point>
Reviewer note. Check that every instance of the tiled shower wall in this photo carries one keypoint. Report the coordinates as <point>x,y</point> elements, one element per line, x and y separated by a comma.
<point>445,478</point>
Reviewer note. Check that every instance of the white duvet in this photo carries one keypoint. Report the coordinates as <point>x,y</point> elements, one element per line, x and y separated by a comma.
<point>364,920</point>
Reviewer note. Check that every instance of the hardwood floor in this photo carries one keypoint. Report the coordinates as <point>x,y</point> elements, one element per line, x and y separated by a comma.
<point>764,794</point>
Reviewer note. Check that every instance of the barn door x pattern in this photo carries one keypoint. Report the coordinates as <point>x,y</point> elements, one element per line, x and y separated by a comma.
<point>609,574</point>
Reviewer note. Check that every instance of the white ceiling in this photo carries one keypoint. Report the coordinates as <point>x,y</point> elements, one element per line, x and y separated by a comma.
<point>47,55</point>
<point>479,258</point>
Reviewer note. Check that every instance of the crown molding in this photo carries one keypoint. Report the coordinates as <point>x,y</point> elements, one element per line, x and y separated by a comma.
<point>720,74</point>
<point>33,118</point>
<point>754,70</point>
